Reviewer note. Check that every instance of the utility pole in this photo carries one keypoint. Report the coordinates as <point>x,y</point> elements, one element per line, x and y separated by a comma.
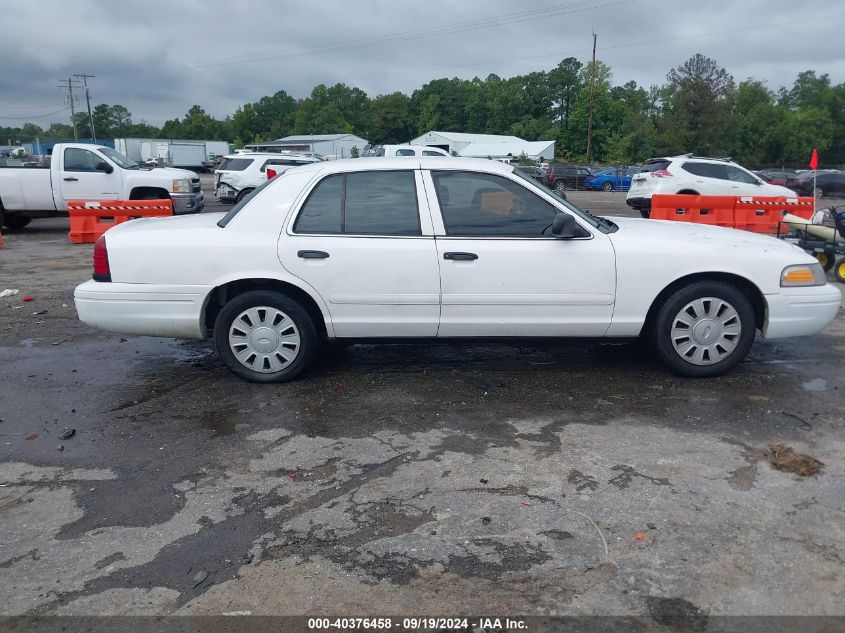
<point>69,88</point>
<point>590,117</point>
<point>85,79</point>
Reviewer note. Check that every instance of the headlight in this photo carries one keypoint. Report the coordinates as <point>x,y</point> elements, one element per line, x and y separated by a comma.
<point>181,185</point>
<point>803,275</point>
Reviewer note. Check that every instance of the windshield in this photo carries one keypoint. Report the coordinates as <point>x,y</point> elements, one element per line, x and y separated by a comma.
<point>117,157</point>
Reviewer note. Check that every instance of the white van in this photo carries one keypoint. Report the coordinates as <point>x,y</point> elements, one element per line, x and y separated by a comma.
<point>403,150</point>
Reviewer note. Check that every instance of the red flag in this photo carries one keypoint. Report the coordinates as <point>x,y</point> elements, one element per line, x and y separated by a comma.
<point>814,160</point>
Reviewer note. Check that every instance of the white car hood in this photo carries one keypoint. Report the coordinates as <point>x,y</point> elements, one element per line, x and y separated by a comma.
<point>172,172</point>
<point>698,237</point>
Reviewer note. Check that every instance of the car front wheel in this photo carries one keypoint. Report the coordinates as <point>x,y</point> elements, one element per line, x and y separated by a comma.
<point>704,329</point>
<point>607,186</point>
<point>265,336</point>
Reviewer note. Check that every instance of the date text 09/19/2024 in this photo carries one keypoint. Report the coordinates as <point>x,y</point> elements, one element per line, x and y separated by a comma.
<point>417,623</point>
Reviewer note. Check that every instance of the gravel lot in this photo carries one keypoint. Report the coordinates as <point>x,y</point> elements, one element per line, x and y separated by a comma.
<point>534,479</point>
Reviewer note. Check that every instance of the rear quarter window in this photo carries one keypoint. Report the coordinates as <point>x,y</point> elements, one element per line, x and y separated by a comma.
<point>656,165</point>
<point>235,164</point>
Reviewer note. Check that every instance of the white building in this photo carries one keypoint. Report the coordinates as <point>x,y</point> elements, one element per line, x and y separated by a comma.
<point>492,146</point>
<point>328,145</point>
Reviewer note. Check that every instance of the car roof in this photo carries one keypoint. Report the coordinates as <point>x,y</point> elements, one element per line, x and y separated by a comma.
<point>269,155</point>
<point>408,162</point>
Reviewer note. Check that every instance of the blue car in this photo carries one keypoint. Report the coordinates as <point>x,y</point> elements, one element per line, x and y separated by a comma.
<point>613,179</point>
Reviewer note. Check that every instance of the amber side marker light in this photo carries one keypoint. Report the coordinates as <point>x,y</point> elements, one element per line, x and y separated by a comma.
<point>803,275</point>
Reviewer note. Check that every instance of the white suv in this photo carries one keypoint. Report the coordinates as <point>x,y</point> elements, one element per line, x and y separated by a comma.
<point>695,175</point>
<point>240,174</point>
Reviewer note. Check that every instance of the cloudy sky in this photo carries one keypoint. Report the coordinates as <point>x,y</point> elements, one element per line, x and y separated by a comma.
<point>158,58</point>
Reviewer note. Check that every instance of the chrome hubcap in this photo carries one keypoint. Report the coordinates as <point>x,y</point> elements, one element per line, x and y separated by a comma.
<point>264,339</point>
<point>706,331</point>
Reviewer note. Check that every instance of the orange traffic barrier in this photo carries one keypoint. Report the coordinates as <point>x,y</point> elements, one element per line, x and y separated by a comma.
<point>90,219</point>
<point>715,210</point>
<point>764,214</point>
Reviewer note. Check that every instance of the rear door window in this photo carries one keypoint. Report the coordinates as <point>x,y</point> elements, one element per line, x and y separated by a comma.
<point>405,152</point>
<point>707,170</point>
<point>363,203</point>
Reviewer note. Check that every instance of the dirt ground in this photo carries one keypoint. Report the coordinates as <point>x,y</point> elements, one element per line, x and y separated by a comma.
<point>533,479</point>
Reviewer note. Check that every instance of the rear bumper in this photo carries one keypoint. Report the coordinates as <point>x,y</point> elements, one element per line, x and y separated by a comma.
<point>639,202</point>
<point>142,309</point>
<point>187,202</point>
<point>800,311</point>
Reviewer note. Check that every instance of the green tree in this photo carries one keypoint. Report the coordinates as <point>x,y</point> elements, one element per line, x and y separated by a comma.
<point>697,94</point>
<point>392,121</point>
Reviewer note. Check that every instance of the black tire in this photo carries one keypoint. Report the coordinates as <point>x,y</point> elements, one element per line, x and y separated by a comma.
<point>2,218</point>
<point>16,220</point>
<point>839,271</point>
<point>826,259</point>
<point>243,194</point>
<point>645,213</point>
<point>308,339</point>
<point>560,185</point>
<point>671,307</point>
<point>607,186</point>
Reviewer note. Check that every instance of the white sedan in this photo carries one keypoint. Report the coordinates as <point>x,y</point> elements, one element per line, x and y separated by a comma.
<point>443,248</point>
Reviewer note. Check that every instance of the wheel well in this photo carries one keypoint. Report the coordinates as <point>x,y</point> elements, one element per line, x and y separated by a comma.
<point>139,193</point>
<point>218,297</point>
<point>687,192</point>
<point>747,288</point>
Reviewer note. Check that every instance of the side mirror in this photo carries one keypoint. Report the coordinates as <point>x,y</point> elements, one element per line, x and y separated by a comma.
<point>565,227</point>
<point>104,167</point>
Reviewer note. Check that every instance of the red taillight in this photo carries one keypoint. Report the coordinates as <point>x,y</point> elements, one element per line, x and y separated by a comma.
<point>271,173</point>
<point>101,260</point>
<point>661,173</point>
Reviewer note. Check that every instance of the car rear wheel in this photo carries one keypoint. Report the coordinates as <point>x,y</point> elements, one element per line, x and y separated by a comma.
<point>265,336</point>
<point>704,329</point>
<point>560,185</point>
<point>243,194</point>
<point>839,271</point>
<point>16,221</point>
<point>819,192</point>
<point>826,259</point>
<point>607,186</point>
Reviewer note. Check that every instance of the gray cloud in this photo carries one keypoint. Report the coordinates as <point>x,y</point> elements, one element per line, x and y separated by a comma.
<point>158,58</point>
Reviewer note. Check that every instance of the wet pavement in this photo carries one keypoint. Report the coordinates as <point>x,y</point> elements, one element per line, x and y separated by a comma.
<point>536,479</point>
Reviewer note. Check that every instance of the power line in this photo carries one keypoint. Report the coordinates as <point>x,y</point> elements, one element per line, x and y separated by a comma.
<point>558,54</point>
<point>40,116</point>
<point>406,36</point>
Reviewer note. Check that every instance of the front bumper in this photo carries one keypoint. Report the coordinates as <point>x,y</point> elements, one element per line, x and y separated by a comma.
<point>142,309</point>
<point>800,311</point>
<point>187,202</point>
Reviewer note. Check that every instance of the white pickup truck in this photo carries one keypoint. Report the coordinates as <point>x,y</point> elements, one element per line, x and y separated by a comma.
<point>77,171</point>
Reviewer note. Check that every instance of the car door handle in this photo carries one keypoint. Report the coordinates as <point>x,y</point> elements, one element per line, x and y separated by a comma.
<point>70,179</point>
<point>460,256</point>
<point>312,254</point>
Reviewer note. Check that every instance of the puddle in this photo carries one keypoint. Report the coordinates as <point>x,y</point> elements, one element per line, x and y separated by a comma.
<point>816,384</point>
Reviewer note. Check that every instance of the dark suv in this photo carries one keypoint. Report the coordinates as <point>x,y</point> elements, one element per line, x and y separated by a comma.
<point>567,177</point>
